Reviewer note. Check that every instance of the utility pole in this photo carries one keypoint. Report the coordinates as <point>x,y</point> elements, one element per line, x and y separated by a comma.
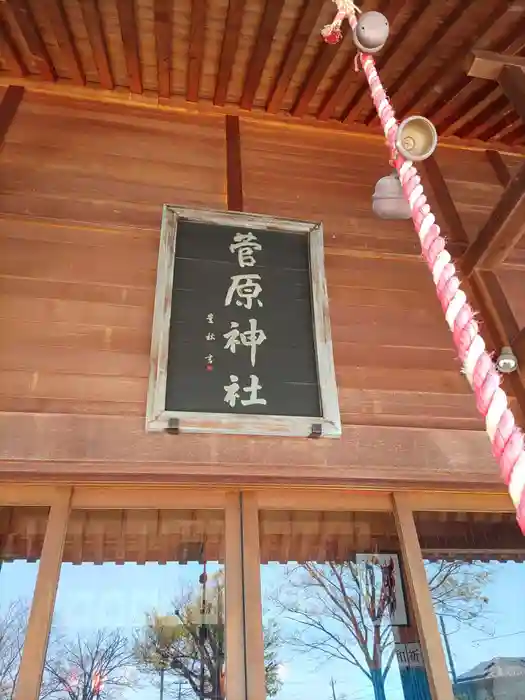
<point>448,650</point>
<point>162,672</point>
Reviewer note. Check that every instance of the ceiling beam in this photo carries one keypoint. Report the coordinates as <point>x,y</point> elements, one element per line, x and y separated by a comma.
<point>483,288</point>
<point>22,15</point>
<point>10,53</point>
<point>65,40</point>
<point>97,41</point>
<point>8,109</point>
<point>230,42</point>
<point>162,11</point>
<point>305,25</point>
<point>508,71</point>
<point>265,34</point>
<point>504,228</point>
<point>130,42</point>
<point>489,65</point>
<point>199,10</point>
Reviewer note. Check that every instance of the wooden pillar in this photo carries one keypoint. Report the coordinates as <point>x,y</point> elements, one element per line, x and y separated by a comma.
<point>39,625</point>
<point>235,661</point>
<point>254,637</point>
<point>8,109</point>
<point>419,591</point>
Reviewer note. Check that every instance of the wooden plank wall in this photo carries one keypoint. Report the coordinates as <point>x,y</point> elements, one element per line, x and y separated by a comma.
<point>81,189</point>
<point>81,197</point>
<point>394,356</point>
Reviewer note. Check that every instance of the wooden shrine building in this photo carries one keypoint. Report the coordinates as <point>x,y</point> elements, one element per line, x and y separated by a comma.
<point>154,152</point>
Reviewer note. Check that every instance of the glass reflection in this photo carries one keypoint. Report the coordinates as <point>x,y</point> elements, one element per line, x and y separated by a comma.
<point>140,608</point>
<point>336,617</point>
<point>22,532</point>
<point>478,557</point>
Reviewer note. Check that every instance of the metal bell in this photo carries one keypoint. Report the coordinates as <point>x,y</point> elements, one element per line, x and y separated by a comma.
<point>388,200</point>
<point>371,32</point>
<point>416,138</point>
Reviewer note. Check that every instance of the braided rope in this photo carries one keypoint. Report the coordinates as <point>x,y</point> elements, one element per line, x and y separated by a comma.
<point>508,443</point>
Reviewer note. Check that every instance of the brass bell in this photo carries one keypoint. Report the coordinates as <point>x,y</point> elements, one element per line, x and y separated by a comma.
<point>371,32</point>
<point>388,200</point>
<point>416,138</point>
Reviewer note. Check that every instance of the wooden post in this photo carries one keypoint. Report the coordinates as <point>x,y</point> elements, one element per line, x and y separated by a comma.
<point>419,591</point>
<point>253,629</point>
<point>235,661</point>
<point>39,625</point>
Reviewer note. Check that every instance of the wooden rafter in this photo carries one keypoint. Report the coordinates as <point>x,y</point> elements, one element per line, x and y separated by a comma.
<point>496,125</point>
<point>22,15</point>
<point>230,42</point>
<point>494,104</point>
<point>463,94</point>
<point>196,50</point>
<point>400,28</point>
<point>346,80</point>
<point>426,51</point>
<point>305,25</point>
<point>130,41</point>
<point>263,45</point>
<point>97,40</point>
<point>163,37</point>
<point>64,37</point>
<point>323,58</point>
<point>483,288</point>
<point>10,54</point>
<point>8,109</point>
<point>504,228</point>
<point>422,64</point>
<point>481,18</point>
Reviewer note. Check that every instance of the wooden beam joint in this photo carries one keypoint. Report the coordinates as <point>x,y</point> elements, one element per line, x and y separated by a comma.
<point>512,82</point>
<point>503,230</point>
<point>489,65</point>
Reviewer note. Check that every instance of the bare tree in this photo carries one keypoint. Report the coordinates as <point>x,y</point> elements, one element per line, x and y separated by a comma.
<point>96,668</point>
<point>13,623</point>
<point>338,613</point>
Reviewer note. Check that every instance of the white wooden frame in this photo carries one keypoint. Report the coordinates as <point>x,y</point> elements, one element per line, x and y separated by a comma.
<point>158,418</point>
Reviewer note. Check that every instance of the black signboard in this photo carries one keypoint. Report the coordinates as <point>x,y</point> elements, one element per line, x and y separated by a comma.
<point>241,340</point>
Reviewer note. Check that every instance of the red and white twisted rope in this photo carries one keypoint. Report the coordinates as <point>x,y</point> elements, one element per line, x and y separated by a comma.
<point>508,443</point>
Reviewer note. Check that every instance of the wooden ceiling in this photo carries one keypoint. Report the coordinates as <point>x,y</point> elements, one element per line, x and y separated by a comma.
<point>268,55</point>
<point>162,536</point>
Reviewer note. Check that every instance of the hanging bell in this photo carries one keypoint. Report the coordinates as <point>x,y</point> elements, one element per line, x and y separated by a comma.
<point>371,32</point>
<point>416,138</point>
<point>388,200</point>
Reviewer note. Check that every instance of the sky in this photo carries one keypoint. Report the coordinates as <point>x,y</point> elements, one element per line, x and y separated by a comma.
<point>109,596</point>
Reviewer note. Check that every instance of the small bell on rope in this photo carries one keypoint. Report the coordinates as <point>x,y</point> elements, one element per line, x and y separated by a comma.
<point>388,200</point>
<point>371,32</point>
<point>416,138</point>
